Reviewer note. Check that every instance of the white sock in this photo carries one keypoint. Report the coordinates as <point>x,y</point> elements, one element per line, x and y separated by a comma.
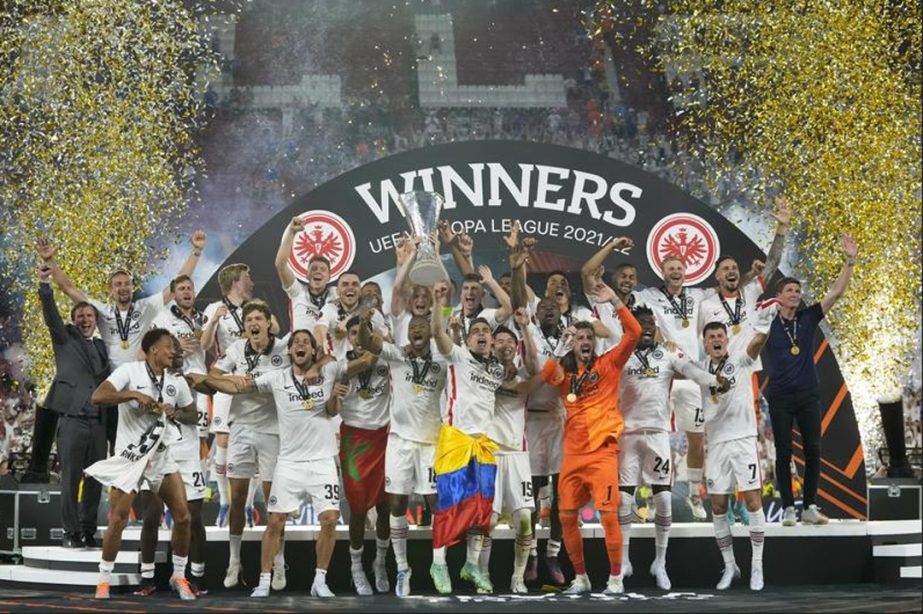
<point>147,571</point>
<point>197,569</point>
<point>533,550</point>
<point>179,565</point>
<point>484,558</point>
<point>279,560</point>
<point>234,547</point>
<point>355,556</point>
<point>381,549</point>
<point>626,498</point>
<point>399,532</point>
<point>757,536</point>
<point>221,474</point>
<point>552,548</point>
<point>105,570</point>
<point>663,521</point>
<point>724,538</point>
<point>522,520</point>
<point>320,576</point>
<point>694,477</point>
<point>475,543</point>
<point>439,555</point>
<point>266,579</point>
<point>252,487</point>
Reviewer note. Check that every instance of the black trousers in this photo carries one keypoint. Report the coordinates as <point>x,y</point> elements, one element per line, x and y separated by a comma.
<point>81,442</point>
<point>43,433</point>
<point>785,410</point>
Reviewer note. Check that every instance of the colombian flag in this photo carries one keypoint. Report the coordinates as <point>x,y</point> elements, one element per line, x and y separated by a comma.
<point>465,473</point>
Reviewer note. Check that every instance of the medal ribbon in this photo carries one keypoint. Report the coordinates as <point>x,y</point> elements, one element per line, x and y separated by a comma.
<point>232,308</point>
<point>253,357</point>
<point>123,327</point>
<point>716,370</point>
<point>734,315</point>
<point>681,308</point>
<point>158,384</point>
<point>576,383</point>
<point>365,376</point>
<point>420,374</point>
<point>643,358</point>
<point>318,301</point>
<point>303,390</point>
<point>193,323</point>
<point>792,336</point>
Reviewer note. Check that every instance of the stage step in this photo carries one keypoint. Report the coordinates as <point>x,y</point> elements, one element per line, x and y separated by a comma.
<point>35,575</point>
<point>73,560</point>
<point>898,550</point>
<point>913,571</point>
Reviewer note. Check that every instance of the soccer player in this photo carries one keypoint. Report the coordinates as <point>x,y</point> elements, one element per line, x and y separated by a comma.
<point>474,376</point>
<point>307,299</point>
<point>730,427</point>
<point>151,401</point>
<point>589,385</point>
<point>513,486</point>
<point>331,327</point>
<point>254,427</point>
<point>409,300</point>
<point>624,281</point>
<point>363,439</point>
<point>644,448</point>
<point>418,376</point>
<point>306,468</point>
<point>676,308</point>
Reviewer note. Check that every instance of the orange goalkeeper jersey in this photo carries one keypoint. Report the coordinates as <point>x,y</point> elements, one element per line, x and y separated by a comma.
<point>595,417</point>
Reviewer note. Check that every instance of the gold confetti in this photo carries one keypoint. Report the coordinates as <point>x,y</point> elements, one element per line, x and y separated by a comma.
<point>101,100</point>
<point>820,100</point>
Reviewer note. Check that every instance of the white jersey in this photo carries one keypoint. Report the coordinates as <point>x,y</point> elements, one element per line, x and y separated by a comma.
<point>546,398</point>
<point>417,385</point>
<point>135,425</point>
<point>180,326</point>
<point>399,325</point>
<point>672,311</point>
<point>365,405</point>
<point>306,432</point>
<point>254,410</point>
<point>489,314</point>
<point>133,323</point>
<point>331,314</point>
<point>508,428</point>
<point>644,390</point>
<point>470,387</point>
<point>230,327</point>
<point>717,308</point>
<point>605,313</point>
<point>306,308</point>
<point>733,415</point>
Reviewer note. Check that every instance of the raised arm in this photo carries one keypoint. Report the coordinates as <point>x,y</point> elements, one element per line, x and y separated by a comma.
<point>198,240</point>
<point>529,351</point>
<point>505,310</point>
<point>461,247</point>
<point>631,330</point>
<point>443,341</point>
<point>286,277</point>
<point>369,340</point>
<point>47,250</point>
<point>588,272</point>
<point>520,294</point>
<point>783,216</point>
<point>107,395</point>
<point>211,327</point>
<point>404,252</point>
<point>49,308</point>
<point>850,250</point>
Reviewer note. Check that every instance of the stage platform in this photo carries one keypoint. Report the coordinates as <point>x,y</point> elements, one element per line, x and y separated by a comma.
<point>844,552</point>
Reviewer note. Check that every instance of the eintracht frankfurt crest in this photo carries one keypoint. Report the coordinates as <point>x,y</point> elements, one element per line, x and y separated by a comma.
<point>689,237</point>
<point>325,234</point>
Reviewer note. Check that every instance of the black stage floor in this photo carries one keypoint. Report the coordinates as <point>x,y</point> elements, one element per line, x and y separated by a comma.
<point>849,598</point>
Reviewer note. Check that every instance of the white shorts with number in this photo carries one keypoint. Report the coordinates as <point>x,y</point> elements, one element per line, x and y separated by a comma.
<point>644,458</point>
<point>545,434</point>
<point>513,487</point>
<point>409,466</point>
<point>193,472</point>
<point>125,478</point>
<point>221,413</point>
<point>296,482</point>
<point>733,462</point>
<point>251,453</point>
<point>686,399</point>
<point>201,408</point>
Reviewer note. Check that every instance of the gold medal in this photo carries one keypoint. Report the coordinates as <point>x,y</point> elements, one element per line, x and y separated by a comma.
<point>715,399</point>
<point>649,372</point>
<point>735,328</point>
<point>685,323</point>
<point>124,344</point>
<point>197,332</point>
<point>795,350</point>
<point>418,388</point>
<point>307,403</point>
<point>571,398</point>
<point>365,393</point>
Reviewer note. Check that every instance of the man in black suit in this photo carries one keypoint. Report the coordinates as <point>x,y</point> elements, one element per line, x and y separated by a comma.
<point>81,363</point>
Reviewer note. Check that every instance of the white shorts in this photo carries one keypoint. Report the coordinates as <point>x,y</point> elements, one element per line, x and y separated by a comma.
<point>545,435</point>
<point>513,487</point>
<point>686,399</point>
<point>296,482</point>
<point>221,413</point>
<point>201,408</point>
<point>409,466</point>
<point>251,453</point>
<point>733,462</point>
<point>134,476</point>
<point>193,472</point>
<point>644,458</point>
